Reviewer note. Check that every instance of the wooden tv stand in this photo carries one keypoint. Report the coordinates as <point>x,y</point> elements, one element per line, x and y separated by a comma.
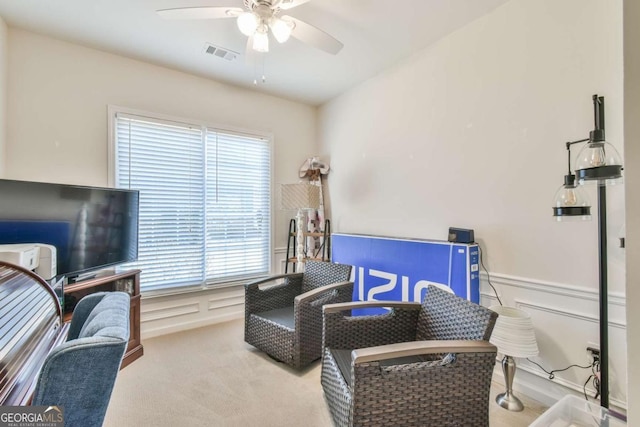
<point>126,281</point>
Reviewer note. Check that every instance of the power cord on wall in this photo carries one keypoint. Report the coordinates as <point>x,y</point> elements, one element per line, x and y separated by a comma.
<point>594,377</point>
<point>595,373</point>
<point>595,380</point>
<point>552,374</point>
<point>487,273</point>
<point>595,365</point>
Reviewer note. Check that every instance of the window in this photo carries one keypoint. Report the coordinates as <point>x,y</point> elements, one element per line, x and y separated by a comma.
<point>205,199</point>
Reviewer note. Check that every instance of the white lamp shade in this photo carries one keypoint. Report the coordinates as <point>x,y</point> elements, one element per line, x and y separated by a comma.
<point>513,333</point>
<point>281,29</point>
<point>248,23</point>
<point>261,41</point>
<point>300,196</point>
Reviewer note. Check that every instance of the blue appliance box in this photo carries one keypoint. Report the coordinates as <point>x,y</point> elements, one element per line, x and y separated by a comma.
<point>398,269</point>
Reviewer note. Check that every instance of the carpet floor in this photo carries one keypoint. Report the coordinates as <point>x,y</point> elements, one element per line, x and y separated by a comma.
<point>211,377</point>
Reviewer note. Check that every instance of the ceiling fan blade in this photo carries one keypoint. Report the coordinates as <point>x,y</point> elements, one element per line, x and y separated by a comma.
<point>314,36</point>
<point>205,12</point>
<point>290,4</point>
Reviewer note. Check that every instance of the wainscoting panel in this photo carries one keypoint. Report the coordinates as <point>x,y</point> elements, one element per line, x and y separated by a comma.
<point>167,314</point>
<point>566,319</point>
<point>177,310</point>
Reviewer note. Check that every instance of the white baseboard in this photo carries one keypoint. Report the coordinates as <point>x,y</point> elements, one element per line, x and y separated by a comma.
<point>152,332</point>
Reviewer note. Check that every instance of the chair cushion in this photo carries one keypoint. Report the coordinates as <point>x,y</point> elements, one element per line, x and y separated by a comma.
<point>109,318</point>
<point>343,360</point>
<point>282,316</point>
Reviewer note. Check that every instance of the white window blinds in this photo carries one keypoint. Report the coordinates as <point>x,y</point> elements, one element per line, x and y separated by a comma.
<point>205,198</point>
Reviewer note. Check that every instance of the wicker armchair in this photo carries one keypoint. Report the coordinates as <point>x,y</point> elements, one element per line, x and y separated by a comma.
<point>418,365</point>
<point>285,320</point>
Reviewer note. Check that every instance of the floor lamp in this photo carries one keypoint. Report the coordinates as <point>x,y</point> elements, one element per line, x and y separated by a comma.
<point>300,196</point>
<point>598,162</point>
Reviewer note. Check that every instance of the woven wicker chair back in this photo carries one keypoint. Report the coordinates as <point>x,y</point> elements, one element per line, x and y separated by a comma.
<point>320,273</point>
<point>445,316</point>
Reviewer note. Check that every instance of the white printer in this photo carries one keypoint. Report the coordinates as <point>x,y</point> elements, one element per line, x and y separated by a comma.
<point>47,262</point>
<point>38,257</point>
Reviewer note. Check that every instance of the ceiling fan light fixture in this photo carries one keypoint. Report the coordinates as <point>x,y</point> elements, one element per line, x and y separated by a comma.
<point>281,29</point>
<point>261,40</point>
<point>248,23</point>
<point>262,16</point>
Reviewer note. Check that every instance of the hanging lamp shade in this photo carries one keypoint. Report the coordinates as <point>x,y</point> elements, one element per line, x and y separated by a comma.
<point>570,202</point>
<point>280,29</point>
<point>261,40</point>
<point>598,161</point>
<point>248,23</point>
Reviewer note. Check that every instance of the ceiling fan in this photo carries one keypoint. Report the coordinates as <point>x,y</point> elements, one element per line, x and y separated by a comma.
<point>258,19</point>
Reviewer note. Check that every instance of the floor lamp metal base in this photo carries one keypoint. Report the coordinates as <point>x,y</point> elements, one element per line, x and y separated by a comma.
<point>509,401</point>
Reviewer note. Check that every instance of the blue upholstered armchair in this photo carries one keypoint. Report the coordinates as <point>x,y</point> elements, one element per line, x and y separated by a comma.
<point>79,375</point>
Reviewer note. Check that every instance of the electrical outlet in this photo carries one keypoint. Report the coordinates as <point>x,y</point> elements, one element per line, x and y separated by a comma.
<point>594,352</point>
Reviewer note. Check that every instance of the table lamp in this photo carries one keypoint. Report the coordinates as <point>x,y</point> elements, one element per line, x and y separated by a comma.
<point>514,336</point>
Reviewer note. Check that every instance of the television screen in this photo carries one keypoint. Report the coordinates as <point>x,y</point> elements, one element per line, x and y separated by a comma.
<point>90,227</point>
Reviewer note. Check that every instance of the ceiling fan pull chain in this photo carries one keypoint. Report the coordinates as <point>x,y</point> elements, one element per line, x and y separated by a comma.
<point>263,75</point>
<point>264,78</point>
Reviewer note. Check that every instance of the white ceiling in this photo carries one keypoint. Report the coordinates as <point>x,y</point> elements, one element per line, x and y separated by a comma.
<point>376,34</point>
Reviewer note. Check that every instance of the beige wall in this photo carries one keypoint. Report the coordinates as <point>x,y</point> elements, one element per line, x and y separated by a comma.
<point>4,34</point>
<point>57,111</point>
<point>470,133</point>
<point>632,179</point>
<point>467,133</point>
<point>57,115</point>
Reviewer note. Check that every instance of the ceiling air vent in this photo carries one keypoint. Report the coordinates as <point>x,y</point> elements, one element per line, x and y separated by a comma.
<point>220,52</point>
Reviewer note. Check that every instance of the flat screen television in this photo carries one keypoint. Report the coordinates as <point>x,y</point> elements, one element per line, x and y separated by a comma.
<point>90,227</point>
